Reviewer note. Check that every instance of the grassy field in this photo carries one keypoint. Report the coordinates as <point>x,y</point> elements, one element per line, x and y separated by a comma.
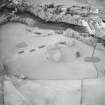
<point>31,53</point>
<point>46,68</point>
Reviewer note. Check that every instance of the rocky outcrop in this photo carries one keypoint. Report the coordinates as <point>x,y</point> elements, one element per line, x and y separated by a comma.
<point>26,12</point>
<point>58,13</point>
<point>50,12</point>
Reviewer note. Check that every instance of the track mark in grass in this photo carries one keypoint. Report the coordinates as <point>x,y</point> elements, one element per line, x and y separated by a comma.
<point>42,46</point>
<point>28,30</point>
<point>32,50</point>
<point>22,45</point>
<point>21,52</point>
<point>38,33</point>
<point>62,43</point>
<point>78,55</point>
<point>92,59</point>
<point>49,34</point>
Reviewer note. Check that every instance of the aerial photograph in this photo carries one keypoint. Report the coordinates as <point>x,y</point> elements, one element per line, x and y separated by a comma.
<point>52,52</point>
